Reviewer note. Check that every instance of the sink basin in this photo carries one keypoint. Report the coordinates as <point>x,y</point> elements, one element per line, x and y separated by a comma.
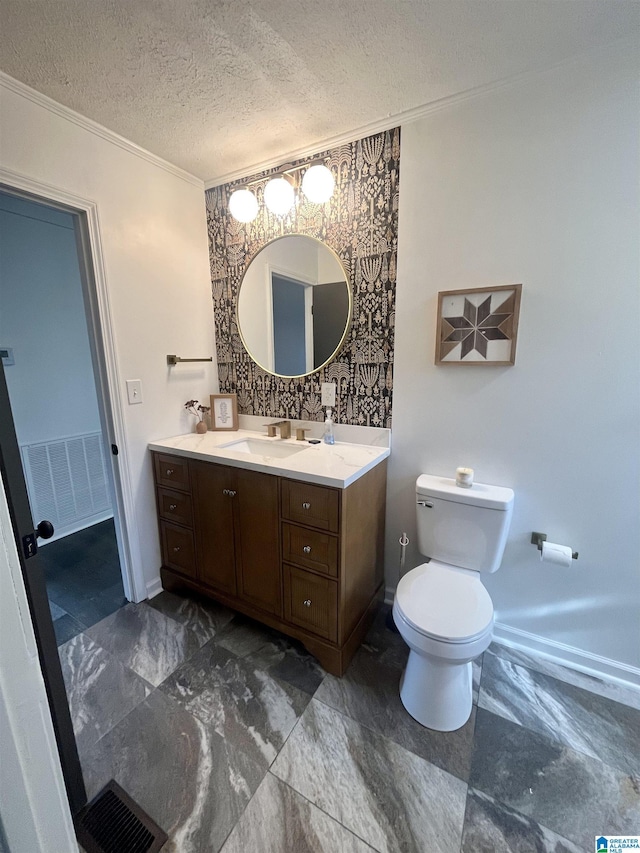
<point>260,447</point>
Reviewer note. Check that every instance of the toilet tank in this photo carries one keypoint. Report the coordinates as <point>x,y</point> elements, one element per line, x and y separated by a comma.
<point>463,527</point>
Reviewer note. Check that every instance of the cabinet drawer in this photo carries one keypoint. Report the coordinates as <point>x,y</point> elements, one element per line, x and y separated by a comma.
<point>178,551</point>
<point>311,602</point>
<point>172,471</point>
<point>175,506</point>
<point>310,549</point>
<point>317,506</point>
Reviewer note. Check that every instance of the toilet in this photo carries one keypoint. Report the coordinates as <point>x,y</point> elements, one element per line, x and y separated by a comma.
<point>442,610</point>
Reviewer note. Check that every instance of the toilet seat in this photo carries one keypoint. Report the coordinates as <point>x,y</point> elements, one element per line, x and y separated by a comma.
<point>445,603</point>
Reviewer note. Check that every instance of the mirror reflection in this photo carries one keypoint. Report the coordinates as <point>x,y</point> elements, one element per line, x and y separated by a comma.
<point>294,306</point>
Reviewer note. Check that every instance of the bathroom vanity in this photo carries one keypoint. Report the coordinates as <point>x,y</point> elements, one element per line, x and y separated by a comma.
<point>288,533</point>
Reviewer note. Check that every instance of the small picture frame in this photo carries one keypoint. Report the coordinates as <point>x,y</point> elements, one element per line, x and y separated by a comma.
<point>478,325</point>
<point>224,412</point>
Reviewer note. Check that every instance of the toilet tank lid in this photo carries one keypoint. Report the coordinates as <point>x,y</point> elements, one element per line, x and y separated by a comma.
<point>480,494</point>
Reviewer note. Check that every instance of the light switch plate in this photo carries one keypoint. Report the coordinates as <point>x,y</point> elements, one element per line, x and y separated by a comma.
<point>134,391</point>
<point>328,394</point>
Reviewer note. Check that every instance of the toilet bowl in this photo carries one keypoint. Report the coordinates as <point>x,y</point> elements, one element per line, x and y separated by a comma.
<point>441,608</point>
<point>445,616</point>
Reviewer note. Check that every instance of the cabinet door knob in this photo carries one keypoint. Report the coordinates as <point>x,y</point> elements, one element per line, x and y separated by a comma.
<point>225,491</point>
<point>232,493</point>
<point>169,472</point>
<point>173,506</point>
<point>176,549</point>
<point>307,602</point>
<point>306,505</point>
<point>307,549</point>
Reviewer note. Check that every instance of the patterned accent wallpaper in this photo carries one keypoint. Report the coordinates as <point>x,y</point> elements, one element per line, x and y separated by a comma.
<point>360,223</point>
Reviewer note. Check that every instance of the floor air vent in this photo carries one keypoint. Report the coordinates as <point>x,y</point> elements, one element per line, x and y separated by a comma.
<point>113,823</point>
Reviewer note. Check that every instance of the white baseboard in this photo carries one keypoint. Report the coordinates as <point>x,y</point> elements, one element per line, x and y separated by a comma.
<point>559,653</point>
<point>569,656</point>
<point>154,587</point>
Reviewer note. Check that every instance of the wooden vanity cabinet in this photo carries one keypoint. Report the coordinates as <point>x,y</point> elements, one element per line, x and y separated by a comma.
<point>302,558</point>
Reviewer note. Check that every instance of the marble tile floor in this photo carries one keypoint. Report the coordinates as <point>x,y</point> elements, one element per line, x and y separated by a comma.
<point>83,578</point>
<point>234,739</point>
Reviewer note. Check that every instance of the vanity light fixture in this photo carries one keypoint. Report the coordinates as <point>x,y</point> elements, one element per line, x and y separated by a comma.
<point>243,205</point>
<point>317,184</point>
<point>278,195</point>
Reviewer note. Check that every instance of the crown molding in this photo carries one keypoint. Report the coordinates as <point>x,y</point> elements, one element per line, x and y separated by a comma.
<point>417,113</point>
<point>378,126</point>
<point>91,126</point>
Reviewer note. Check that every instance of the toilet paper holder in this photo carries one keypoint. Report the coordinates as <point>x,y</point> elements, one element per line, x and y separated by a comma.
<point>538,538</point>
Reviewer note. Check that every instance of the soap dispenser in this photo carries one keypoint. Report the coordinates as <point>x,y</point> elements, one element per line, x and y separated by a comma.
<point>329,437</point>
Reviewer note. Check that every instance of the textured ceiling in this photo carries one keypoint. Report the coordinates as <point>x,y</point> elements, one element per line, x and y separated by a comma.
<point>218,86</point>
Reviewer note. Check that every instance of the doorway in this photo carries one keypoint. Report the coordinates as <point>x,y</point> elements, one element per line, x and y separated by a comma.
<point>95,308</point>
<point>50,373</point>
<point>289,325</point>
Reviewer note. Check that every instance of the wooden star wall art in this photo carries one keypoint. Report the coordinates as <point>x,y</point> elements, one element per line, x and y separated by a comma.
<point>479,325</point>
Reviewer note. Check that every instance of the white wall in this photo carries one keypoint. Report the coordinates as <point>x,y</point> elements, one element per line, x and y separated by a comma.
<point>154,242</point>
<point>42,317</point>
<point>329,267</point>
<point>536,183</point>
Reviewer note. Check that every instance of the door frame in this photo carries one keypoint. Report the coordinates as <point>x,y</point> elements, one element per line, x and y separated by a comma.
<point>105,362</point>
<point>304,281</point>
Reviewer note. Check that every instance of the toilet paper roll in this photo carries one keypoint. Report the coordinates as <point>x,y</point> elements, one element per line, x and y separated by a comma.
<point>559,555</point>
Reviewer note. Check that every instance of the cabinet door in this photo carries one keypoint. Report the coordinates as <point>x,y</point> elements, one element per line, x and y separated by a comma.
<point>213,503</point>
<point>311,602</point>
<point>177,548</point>
<point>258,540</point>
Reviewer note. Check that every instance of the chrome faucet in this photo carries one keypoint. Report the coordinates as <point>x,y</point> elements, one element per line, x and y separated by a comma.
<point>285,429</point>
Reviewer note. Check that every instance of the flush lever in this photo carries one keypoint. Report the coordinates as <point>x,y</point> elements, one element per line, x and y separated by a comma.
<point>428,504</point>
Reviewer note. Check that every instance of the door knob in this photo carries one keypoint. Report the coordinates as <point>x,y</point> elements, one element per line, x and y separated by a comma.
<point>307,549</point>
<point>307,602</point>
<point>45,530</point>
<point>306,505</point>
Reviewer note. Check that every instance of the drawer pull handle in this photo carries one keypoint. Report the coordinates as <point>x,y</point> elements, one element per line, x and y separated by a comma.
<point>306,505</point>
<point>176,549</point>
<point>307,602</point>
<point>173,506</point>
<point>307,549</point>
<point>169,472</point>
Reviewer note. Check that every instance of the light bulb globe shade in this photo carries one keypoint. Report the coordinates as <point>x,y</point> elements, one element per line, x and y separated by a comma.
<point>279,196</point>
<point>243,205</point>
<point>318,183</point>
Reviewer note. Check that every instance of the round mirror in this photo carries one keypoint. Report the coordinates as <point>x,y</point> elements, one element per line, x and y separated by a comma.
<point>294,306</point>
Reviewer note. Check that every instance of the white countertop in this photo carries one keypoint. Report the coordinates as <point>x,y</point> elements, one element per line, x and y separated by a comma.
<point>336,465</point>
